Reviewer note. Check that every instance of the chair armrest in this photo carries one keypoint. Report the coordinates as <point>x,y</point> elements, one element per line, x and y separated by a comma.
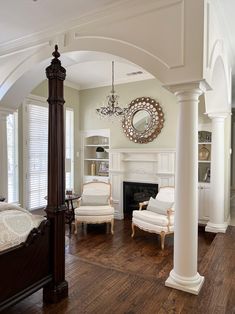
<point>79,201</point>
<point>111,201</point>
<point>170,211</point>
<point>143,204</point>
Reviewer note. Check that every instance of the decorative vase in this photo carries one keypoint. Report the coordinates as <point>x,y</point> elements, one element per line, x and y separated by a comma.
<point>204,153</point>
<point>93,169</point>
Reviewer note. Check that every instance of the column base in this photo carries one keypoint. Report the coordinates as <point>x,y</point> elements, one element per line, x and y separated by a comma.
<point>216,228</point>
<point>54,293</point>
<point>191,285</point>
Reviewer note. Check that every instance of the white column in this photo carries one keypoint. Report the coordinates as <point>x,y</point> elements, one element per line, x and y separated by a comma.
<point>3,153</point>
<point>184,275</point>
<point>217,222</point>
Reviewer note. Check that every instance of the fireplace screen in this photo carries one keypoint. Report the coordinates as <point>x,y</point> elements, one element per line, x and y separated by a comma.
<point>136,192</point>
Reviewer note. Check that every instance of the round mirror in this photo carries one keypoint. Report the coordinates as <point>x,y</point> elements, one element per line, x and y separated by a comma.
<point>141,120</point>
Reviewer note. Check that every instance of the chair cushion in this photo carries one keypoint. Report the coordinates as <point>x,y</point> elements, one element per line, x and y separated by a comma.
<point>159,207</point>
<point>152,218</point>
<point>166,194</point>
<point>94,210</point>
<point>150,227</point>
<point>93,200</point>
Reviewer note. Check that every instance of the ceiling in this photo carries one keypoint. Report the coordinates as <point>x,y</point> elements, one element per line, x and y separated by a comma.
<point>226,9</point>
<point>86,69</point>
<point>24,17</point>
<point>94,69</point>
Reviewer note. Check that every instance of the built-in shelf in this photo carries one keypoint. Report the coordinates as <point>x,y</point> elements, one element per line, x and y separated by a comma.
<point>95,163</point>
<point>96,145</point>
<point>93,178</point>
<point>97,159</point>
<point>202,183</point>
<point>204,143</point>
<point>204,166</point>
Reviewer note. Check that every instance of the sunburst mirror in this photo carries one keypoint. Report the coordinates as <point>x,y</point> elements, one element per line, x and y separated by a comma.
<point>143,120</point>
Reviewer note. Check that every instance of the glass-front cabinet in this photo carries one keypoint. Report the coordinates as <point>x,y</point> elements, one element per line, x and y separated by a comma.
<point>95,155</point>
<point>204,174</point>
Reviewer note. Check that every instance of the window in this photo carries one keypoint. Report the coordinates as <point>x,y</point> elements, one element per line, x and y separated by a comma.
<point>37,150</point>
<point>12,152</point>
<point>37,142</point>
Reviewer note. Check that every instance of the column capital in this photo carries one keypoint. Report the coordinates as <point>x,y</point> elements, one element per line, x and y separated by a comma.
<point>195,87</point>
<point>218,115</point>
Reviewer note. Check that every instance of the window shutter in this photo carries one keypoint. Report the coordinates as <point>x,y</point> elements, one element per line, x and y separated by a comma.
<point>37,150</point>
<point>37,146</point>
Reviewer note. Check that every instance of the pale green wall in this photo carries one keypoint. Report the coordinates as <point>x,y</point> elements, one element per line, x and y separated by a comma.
<point>93,98</point>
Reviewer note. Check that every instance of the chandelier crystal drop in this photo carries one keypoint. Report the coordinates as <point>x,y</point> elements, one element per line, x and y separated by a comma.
<point>112,110</point>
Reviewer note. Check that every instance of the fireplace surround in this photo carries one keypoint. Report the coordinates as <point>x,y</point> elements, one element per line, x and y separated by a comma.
<point>139,165</point>
<point>136,192</point>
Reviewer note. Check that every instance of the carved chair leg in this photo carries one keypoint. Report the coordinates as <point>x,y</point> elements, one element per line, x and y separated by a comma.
<point>133,230</point>
<point>162,239</point>
<point>112,226</point>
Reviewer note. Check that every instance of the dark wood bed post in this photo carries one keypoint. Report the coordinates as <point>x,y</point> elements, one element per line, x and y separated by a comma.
<point>55,209</point>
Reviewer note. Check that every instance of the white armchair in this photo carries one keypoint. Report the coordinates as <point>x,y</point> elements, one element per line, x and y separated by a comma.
<point>159,216</point>
<point>95,205</point>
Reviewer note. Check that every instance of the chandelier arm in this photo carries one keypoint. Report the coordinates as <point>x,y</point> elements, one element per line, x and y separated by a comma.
<point>112,109</point>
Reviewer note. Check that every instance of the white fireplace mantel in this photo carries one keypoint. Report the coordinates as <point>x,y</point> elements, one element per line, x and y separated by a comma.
<point>147,165</point>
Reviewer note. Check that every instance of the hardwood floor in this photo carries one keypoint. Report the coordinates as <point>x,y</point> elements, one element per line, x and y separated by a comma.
<point>118,274</point>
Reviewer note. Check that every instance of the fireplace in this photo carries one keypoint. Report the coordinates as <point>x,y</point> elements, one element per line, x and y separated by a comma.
<point>136,192</point>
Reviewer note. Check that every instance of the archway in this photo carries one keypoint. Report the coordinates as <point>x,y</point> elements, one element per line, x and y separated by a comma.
<point>30,72</point>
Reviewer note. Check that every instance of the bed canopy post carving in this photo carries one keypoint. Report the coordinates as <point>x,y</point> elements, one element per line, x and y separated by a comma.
<point>56,179</point>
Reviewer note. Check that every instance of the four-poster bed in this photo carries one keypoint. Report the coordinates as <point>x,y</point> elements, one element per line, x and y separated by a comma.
<point>39,262</point>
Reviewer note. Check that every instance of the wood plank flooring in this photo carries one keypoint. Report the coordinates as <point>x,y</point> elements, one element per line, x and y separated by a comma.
<point>118,274</point>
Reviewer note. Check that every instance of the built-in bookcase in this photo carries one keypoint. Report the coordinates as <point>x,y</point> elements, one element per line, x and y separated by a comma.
<point>95,155</point>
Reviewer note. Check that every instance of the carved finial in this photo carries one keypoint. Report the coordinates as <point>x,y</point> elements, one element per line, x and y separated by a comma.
<point>56,53</point>
<point>55,70</point>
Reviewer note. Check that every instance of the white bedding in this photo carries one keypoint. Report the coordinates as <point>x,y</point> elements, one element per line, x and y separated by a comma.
<point>15,225</point>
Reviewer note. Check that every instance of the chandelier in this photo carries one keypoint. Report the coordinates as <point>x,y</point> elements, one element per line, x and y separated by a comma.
<point>112,109</point>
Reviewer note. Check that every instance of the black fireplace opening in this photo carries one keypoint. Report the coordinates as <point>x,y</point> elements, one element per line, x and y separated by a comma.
<point>134,193</point>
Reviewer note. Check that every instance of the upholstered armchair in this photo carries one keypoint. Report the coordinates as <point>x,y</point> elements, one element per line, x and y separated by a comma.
<point>95,205</point>
<point>158,216</point>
